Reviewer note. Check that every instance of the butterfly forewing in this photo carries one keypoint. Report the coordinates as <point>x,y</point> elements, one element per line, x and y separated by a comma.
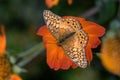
<point>59,27</point>
<point>52,22</point>
<point>70,36</point>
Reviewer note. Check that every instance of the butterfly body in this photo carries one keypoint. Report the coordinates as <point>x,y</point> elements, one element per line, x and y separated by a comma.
<point>69,34</point>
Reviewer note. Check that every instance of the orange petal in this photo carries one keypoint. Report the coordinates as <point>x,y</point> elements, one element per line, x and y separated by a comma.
<point>74,65</point>
<point>50,40</point>
<point>43,31</point>
<point>15,77</point>
<point>51,55</point>
<point>48,3</point>
<point>47,37</point>
<point>88,53</point>
<point>65,62</point>
<point>51,3</point>
<point>93,41</point>
<point>95,29</point>
<point>70,2</point>
<point>2,40</point>
<point>56,58</point>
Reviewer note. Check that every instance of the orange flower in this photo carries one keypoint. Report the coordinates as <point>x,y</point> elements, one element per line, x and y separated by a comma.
<point>5,67</point>
<point>70,2</point>
<point>2,41</point>
<point>110,55</point>
<point>56,57</point>
<point>15,77</point>
<point>51,3</point>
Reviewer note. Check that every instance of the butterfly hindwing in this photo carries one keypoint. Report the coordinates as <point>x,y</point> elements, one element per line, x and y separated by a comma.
<point>74,47</point>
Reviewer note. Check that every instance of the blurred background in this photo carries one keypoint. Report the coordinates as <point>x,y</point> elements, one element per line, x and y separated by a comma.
<point>22,18</point>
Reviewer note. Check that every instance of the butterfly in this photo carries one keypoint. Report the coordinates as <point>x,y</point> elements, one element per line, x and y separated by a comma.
<point>70,36</point>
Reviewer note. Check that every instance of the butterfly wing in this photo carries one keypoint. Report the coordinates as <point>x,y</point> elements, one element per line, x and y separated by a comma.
<point>74,47</point>
<point>60,27</point>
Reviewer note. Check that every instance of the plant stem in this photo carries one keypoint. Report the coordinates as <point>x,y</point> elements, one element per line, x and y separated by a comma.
<point>30,54</point>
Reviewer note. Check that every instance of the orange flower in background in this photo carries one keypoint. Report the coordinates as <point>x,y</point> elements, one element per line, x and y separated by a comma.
<point>110,55</point>
<point>56,58</point>
<point>15,77</point>
<point>51,3</point>
<point>2,40</point>
<point>5,67</point>
<point>70,2</point>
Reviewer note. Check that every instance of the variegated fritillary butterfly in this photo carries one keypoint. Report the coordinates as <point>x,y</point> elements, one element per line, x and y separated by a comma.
<point>70,36</point>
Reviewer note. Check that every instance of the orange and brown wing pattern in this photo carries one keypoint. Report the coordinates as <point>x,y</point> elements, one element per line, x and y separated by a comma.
<point>74,47</point>
<point>60,27</point>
